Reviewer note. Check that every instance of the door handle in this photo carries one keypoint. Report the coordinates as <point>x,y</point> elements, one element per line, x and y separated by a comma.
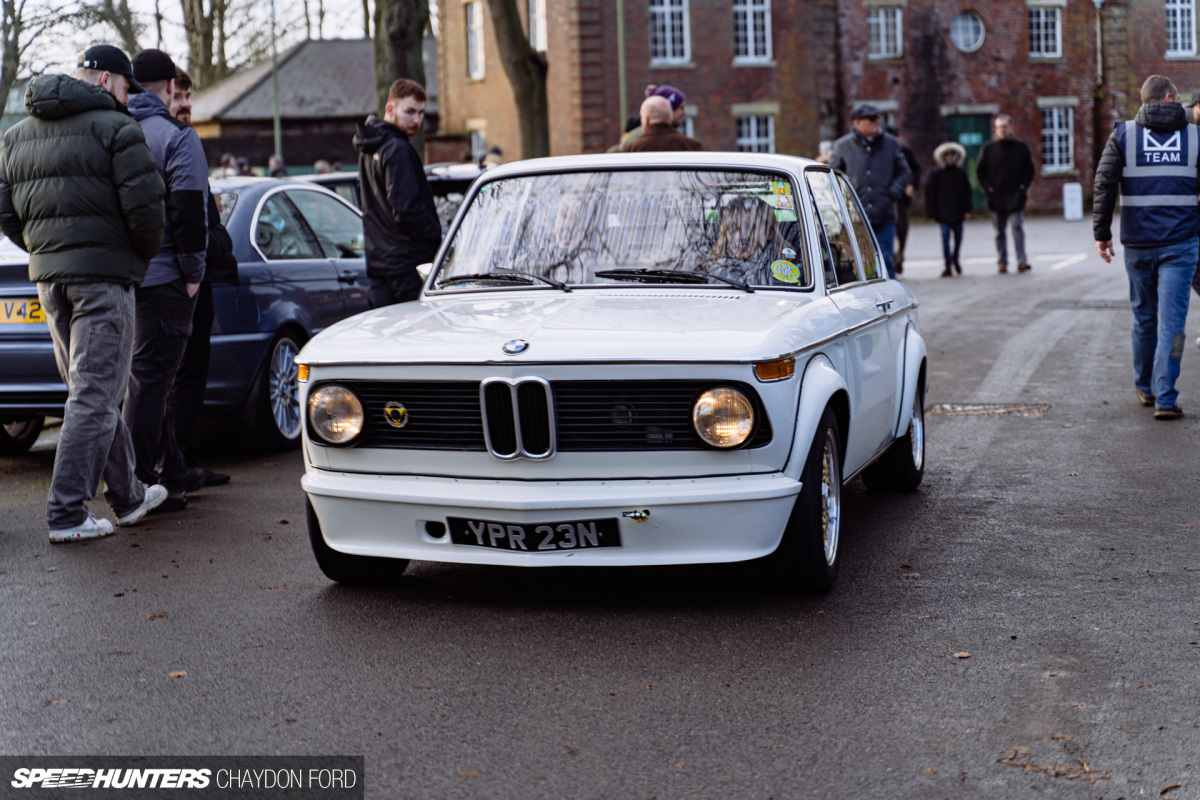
<point>347,276</point>
<point>884,305</point>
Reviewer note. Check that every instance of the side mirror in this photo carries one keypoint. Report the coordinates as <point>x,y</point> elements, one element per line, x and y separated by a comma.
<point>423,270</point>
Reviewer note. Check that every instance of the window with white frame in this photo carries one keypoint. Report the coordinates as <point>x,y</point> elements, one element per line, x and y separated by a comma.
<point>1181,27</point>
<point>537,25</point>
<point>475,40</point>
<point>885,31</point>
<point>1058,140</point>
<point>966,31</point>
<point>752,30</point>
<point>670,37</point>
<point>756,133</point>
<point>1045,31</point>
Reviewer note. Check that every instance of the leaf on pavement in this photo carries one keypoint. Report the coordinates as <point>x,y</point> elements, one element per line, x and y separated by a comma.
<point>469,774</point>
<point>962,654</point>
<point>177,674</point>
<point>57,702</point>
<point>157,616</point>
<point>1166,789</point>
<point>929,771</point>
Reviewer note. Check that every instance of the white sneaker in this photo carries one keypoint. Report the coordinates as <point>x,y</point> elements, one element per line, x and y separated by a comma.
<point>90,528</point>
<point>154,497</point>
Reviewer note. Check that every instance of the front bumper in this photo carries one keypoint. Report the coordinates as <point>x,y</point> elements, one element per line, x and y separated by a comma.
<point>691,521</point>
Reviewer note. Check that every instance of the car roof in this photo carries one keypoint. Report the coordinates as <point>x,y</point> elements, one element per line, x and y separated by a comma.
<point>608,161</point>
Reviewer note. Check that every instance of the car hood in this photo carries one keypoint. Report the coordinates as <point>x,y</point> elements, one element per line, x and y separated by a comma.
<point>634,325</point>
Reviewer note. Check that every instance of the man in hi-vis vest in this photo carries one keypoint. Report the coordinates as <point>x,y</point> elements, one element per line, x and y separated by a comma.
<point>1152,162</point>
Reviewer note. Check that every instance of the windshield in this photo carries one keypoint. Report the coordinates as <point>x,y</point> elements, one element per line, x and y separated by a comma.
<point>643,227</point>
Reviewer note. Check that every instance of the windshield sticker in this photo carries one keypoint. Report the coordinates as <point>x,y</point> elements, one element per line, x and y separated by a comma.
<point>781,187</point>
<point>784,201</point>
<point>788,253</point>
<point>785,271</point>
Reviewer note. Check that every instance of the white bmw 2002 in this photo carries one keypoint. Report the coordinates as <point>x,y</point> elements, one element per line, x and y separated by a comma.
<point>621,360</point>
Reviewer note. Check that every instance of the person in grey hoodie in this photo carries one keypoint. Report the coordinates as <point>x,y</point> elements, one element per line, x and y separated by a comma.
<point>166,299</point>
<point>78,191</point>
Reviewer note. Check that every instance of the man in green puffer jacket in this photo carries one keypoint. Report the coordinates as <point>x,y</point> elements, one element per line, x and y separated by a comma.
<point>79,192</point>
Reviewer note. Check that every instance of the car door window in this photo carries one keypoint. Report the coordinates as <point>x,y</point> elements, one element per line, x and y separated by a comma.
<point>339,230</point>
<point>838,249</point>
<point>281,234</point>
<point>861,228</point>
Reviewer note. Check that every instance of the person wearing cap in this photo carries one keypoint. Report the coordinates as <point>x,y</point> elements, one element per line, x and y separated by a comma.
<point>658,134</point>
<point>678,101</point>
<point>79,192</point>
<point>1005,170</point>
<point>874,162</point>
<point>166,300</point>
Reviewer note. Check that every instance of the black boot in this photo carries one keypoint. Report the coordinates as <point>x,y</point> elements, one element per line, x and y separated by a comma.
<point>947,273</point>
<point>957,267</point>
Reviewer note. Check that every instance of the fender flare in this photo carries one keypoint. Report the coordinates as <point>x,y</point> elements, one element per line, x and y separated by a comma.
<point>914,376</point>
<point>820,387</point>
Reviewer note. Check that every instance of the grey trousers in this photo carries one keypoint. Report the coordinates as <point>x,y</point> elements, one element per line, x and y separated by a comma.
<point>1000,221</point>
<point>92,328</point>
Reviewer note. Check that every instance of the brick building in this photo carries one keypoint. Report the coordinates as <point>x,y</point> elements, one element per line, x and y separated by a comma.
<point>760,76</point>
<point>782,75</point>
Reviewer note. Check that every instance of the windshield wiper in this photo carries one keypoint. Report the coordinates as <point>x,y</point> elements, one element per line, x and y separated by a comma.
<point>509,276</point>
<point>669,276</point>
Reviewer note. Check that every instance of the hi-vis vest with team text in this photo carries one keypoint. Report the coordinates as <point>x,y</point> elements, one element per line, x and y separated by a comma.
<point>1158,185</point>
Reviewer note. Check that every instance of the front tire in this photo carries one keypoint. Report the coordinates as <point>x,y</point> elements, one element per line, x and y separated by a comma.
<point>19,435</point>
<point>349,569</point>
<point>902,467</point>
<point>277,422</point>
<point>808,556</point>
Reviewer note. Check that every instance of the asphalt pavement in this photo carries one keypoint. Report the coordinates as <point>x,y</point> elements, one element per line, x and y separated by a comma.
<point>1025,625</point>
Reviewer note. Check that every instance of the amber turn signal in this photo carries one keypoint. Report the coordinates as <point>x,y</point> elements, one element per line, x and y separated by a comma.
<point>778,370</point>
<point>302,372</point>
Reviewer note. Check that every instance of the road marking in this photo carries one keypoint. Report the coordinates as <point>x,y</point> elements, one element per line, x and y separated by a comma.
<point>1068,261</point>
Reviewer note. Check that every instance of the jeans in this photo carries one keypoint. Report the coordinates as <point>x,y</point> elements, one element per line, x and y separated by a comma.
<point>91,325</point>
<point>885,232</point>
<point>1159,278</point>
<point>389,288</point>
<point>164,322</point>
<point>903,212</point>
<point>948,228</point>
<point>1000,220</point>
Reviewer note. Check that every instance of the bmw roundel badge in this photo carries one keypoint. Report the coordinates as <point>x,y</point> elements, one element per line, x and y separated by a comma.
<point>396,414</point>
<point>515,347</point>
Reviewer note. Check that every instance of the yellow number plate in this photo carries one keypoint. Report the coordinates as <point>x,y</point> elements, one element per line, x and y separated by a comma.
<point>21,311</point>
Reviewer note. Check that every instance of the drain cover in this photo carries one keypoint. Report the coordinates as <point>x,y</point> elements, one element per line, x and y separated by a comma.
<point>990,409</point>
<point>1082,305</point>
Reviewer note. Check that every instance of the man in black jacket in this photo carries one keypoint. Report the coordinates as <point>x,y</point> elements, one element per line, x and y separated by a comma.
<point>79,192</point>
<point>1005,170</point>
<point>400,222</point>
<point>875,164</point>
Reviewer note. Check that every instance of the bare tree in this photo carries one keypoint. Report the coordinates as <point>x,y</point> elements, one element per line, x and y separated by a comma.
<point>399,28</point>
<point>205,25</point>
<point>366,19</point>
<point>114,14</point>
<point>526,71</point>
<point>20,28</point>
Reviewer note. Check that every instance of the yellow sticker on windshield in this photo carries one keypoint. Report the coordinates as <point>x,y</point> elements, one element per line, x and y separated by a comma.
<point>781,187</point>
<point>784,201</point>
<point>785,271</point>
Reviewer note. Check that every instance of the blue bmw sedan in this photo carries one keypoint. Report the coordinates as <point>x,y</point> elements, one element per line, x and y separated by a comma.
<point>299,249</point>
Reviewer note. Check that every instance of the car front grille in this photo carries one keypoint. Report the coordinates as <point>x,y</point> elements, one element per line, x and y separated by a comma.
<point>532,418</point>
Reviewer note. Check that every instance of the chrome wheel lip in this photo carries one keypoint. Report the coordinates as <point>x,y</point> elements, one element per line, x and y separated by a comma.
<point>916,429</point>
<point>831,497</point>
<point>284,388</point>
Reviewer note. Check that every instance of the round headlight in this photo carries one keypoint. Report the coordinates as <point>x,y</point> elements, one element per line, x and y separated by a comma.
<point>724,417</point>
<point>335,413</point>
